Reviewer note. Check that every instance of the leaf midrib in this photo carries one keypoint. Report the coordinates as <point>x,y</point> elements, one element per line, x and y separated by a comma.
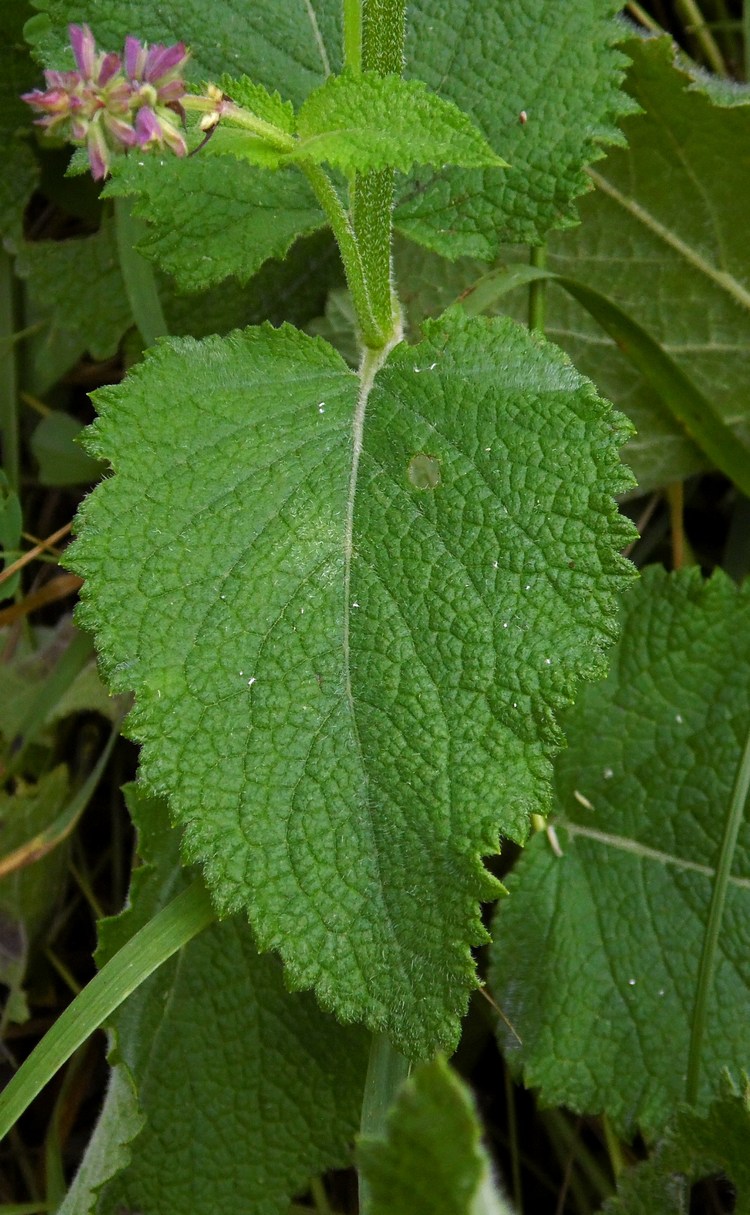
<point>645,852</point>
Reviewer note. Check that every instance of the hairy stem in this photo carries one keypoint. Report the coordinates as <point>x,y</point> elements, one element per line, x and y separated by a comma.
<point>374,334</point>
<point>382,51</point>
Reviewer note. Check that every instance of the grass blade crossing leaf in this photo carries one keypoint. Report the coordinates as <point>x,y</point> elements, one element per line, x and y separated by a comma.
<point>663,237</point>
<point>348,631</point>
<point>596,954</point>
<point>219,1052</point>
<point>188,914</point>
<point>690,408</point>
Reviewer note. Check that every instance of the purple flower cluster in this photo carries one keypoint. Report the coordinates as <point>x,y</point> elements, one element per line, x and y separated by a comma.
<point>112,103</point>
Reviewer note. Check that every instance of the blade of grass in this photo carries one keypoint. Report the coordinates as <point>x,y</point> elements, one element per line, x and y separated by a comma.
<point>181,920</point>
<point>138,275</point>
<point>8,385</point>
<point>707,965</point>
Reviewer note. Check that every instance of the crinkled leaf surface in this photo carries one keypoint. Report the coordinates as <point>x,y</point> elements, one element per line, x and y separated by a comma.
<point>596,952</point>
<point>664,235</point>
<point>432,1158</point>
<point>368,122</point>
<point>212,216</point>
<point>556,62</point>
<point>244,1089</point>
<point>693,1148</point>
<point>271,107</point>
<point>348,649</point>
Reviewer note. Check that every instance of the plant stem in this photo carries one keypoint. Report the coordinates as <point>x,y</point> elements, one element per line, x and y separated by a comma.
<point>676,502</point>
<point>386,1072</point>
<point>382,51</point>
<point>353,35</point>
<point>538,289</point>
<point>638,13</point>
<point>319,1196</point>
<point>373,335</point>
<point>707,966</point>
<point>614,1148</point>
<point>8,385</point>
<point>695,25</point>
<point>138,275</point>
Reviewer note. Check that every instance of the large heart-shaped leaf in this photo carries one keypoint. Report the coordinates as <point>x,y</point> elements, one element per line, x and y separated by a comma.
<point>349,623</point>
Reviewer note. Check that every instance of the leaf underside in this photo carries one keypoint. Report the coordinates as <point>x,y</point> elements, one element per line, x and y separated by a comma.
<point>347,662</point>
<point>596,953</point>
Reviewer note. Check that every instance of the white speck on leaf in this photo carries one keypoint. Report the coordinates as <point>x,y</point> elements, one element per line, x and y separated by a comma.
<point>251,681</point>
<point>583,801</point>
<point>678,718</point>
<point>608,773</point>
<point>631,982</point>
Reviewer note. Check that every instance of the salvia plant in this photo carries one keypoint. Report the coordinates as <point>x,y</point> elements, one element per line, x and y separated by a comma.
<point>423,763</point>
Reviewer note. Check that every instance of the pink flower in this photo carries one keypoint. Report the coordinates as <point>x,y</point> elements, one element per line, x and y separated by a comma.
<point>155,75</point>
<point>109,110</point>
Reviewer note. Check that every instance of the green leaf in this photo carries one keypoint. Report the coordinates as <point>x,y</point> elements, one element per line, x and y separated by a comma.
<point>235,215</point>
<point>77,285</point>
<point>23,680</point>
<point>693,1148</point>
<point>663,237</point>
<point>690,409</point>
<point>252,96</point>
<point>218,1051</point>
<point>354,690</point>
<point>293,46</point>
<point>365,121</point>
<point>596,954</point>
<point>432,1158</point>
